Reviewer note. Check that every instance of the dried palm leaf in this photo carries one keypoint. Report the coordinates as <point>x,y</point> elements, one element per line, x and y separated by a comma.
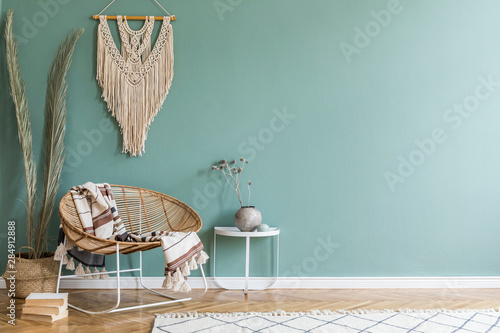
<point>18,93</point>
<point>55,125</point>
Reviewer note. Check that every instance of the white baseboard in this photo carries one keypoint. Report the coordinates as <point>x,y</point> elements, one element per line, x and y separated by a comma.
<point>296,283</point>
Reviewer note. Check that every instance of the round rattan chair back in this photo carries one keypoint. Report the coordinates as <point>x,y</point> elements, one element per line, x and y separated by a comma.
<point>141,211</point>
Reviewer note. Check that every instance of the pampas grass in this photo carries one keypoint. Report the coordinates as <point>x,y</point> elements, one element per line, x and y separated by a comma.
<point>54,130</point>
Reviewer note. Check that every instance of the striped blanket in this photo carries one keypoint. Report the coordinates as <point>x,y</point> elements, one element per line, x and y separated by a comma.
<point>96,206</point>
<point>183,252</point>
<point>98,213</point>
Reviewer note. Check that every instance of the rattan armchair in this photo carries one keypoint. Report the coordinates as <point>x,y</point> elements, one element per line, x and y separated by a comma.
<point>141,210</point>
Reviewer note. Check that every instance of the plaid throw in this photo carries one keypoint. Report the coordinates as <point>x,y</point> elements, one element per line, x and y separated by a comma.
<point>183,252</point>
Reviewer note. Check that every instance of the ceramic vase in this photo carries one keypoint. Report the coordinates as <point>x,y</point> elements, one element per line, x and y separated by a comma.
<point>247,218</point>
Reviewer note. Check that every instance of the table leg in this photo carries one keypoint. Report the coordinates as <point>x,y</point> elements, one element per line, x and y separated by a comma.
<point>247,264</point>
<point>215,251</point>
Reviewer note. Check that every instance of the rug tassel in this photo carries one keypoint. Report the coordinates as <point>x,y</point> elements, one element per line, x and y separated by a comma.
<point>87,273</point>
<point>185,269</point>
<point>202,257</point>
<point>71,264</point>
<point>103,276</point>
<point>185,288</point>
<point>192,264</point>
<point>79,270</point>
<point>60,251</point>
<point>167,283</point>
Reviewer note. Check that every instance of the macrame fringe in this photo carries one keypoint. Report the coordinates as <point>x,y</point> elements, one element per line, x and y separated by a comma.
<point>134,92</point>
<point>60,252</point>
<point>71,264</point>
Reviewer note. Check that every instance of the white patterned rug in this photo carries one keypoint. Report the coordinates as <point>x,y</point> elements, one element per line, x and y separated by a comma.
<point>387,321</point>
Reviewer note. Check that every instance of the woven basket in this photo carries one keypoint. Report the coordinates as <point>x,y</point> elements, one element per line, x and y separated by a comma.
<point>34,275</point>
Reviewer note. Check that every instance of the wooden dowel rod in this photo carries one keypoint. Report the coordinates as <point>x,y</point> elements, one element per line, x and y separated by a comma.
<point>134,18</point>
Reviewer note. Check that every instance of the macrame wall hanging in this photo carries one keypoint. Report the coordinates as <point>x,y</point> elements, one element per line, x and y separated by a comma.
<point>135,81</point>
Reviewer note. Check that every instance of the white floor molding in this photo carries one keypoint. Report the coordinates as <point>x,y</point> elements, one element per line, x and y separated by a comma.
<point>298,283</point>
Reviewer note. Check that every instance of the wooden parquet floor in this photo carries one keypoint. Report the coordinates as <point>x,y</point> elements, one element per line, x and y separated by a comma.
<point>141,320</point>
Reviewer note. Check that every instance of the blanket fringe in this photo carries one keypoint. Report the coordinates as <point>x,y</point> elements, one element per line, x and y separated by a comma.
<point>71,264</point>
<point>60,252</point>
<point>79,270</point>
<point>192,264</point>
<point>103,276</point>
<point>167,283</point>
<point>68,245</point>
<point>87,273</point>
<point>317,312</point>
<point>202,257</point>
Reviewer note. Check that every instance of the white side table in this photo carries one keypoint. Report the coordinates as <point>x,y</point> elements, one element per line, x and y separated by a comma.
<point>235,232</point>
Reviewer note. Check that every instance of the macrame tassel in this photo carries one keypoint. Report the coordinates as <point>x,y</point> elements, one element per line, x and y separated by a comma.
<point>87,273</point>
<point>167,283</point>
<point>185,269</point>
<point>202,257</point>
<point>95,276</point>
<point>71,264</point>
<point>68,245</point>
<point>60,251</point>
<point>65,260</point>
<point>79,270</point>
<point>185,288</point>
<point>192,264</point>
<point>103,276</point>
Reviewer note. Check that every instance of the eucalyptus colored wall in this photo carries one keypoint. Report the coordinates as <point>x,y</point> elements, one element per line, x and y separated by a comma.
<point>372,126</point>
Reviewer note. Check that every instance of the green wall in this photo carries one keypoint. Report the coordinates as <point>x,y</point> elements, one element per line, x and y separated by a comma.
<point>385,148</point>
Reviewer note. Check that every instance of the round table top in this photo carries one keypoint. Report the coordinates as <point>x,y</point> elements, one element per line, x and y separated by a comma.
<point>235,232</point>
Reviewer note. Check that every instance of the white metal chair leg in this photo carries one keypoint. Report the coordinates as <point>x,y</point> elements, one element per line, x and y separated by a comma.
<point>115,307</point>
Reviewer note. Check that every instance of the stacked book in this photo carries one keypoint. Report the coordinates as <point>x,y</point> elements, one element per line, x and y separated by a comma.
<point>46,307</point>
